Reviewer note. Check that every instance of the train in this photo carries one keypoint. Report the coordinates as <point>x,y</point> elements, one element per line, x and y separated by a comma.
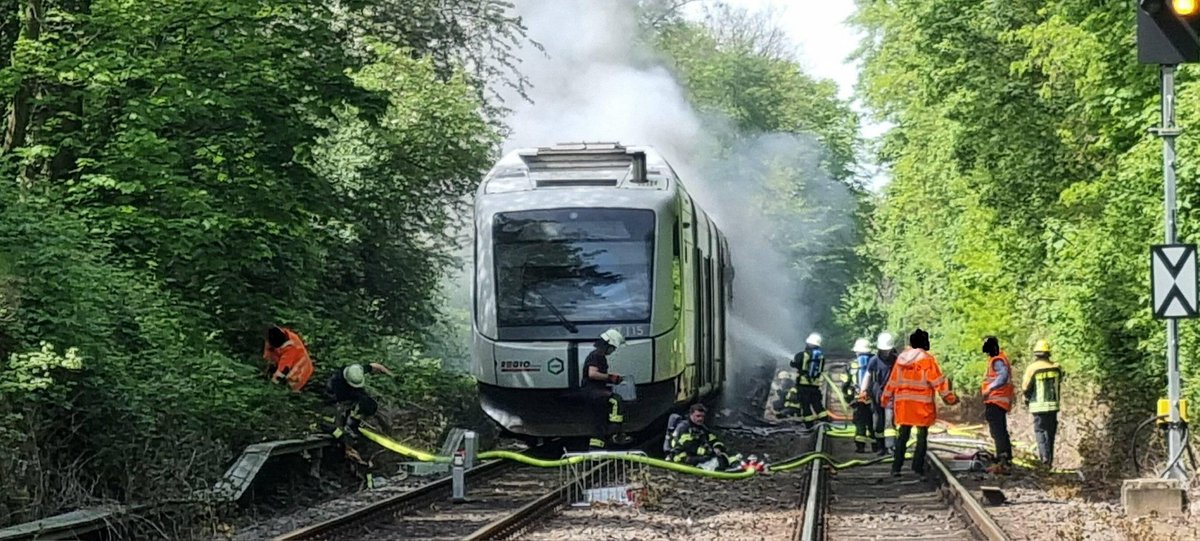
<point>577,238</point>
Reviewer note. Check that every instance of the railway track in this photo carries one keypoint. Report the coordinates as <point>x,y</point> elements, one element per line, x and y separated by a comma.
<point>427,512</point>
<point>503,500</point>
<point>866,502</point>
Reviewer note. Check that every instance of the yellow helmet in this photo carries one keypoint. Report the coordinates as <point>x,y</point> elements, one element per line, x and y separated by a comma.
<point>1041,346</point>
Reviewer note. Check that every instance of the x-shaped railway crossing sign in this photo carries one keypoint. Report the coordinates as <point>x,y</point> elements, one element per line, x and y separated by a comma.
<point>1173,279</point>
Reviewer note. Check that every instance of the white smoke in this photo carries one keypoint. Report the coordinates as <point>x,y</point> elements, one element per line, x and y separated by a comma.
<point>596,81</point>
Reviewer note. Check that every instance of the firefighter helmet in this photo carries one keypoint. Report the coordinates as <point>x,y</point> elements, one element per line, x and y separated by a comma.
<point>886,341</point>
<point>354,376</point>
<point>814,339</point>
<point>613,338</point>
<point>1042,346</point>
<point>862,346</point>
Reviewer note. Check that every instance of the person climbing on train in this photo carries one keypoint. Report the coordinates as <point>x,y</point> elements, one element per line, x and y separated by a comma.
<point>997,393</point>
<point>910,387</point>
<point>346,388</point>
<point>1041,387</point>
<point>692,443</point>
<point>605,409</point>
<point>807,393</point>
<point>860,402</point>
<point>879,369</point>
<point>287,357</point>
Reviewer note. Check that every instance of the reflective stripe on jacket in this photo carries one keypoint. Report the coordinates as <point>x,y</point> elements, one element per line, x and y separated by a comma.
<point>1042,385</point>
<point>1002,395</point>
<point>692,444</point>
<point>911,385</point>
<point>291,360</point>
<point>809,364</point>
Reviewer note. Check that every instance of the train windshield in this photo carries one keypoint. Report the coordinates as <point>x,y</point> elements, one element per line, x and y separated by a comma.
<point>569,266</point>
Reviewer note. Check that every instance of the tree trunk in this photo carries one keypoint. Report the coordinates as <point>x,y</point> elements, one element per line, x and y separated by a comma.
<point>18,113</point>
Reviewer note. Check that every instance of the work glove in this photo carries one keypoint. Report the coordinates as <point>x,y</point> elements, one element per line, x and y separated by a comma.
<point>952,399</point>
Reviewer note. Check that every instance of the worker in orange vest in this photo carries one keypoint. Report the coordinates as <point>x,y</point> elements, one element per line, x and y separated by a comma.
<point>997,392</point>
<point>287,357</point>
<point>914,378</point>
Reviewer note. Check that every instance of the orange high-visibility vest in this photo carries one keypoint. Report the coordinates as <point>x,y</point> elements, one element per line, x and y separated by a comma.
<point>911,386</point>
<point>1003,395</point>
<point>292,359</point>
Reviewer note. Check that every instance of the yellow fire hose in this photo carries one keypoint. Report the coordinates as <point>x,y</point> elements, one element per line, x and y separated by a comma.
<point>963,432</point>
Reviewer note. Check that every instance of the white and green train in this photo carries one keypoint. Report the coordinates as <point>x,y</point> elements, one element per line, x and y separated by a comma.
<point>575,239</point>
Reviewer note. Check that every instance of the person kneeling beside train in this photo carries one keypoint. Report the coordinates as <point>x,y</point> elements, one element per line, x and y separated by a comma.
<point>692,443</point>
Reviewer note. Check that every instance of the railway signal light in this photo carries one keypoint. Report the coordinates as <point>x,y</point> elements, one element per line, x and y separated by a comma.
<point>1167,31</point>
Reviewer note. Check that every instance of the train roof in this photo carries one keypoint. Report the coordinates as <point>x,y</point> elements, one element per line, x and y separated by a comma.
<point>574,165</point>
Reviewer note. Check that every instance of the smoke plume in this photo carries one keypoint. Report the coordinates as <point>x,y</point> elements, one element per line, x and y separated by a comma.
<point>597,81</point>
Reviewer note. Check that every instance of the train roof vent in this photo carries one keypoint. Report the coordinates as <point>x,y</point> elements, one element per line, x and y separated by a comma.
<point>586,164</point>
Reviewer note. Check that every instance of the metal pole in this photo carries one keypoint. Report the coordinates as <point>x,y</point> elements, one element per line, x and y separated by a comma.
<point>458,480</point>
<point>1168,132</point>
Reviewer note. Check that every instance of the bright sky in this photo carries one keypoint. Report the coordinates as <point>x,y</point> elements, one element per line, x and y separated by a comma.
<point>823,39</point>
<point>824,43</point>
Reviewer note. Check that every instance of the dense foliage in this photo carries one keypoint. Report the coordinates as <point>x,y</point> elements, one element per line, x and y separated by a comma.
<point>1025,191</point>
<point>179,174</point>
<point>785,152</point>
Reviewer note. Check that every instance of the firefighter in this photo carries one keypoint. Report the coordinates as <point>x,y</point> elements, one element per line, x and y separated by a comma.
<point>347,390</point>
<point>785,404</point>
<point>879,369</point>
<point>287,357</point>
<point>1041,386</point>
<point>860,402</point>
<point>605,408</point>
<point>997,392</point>
<point>694,444</point>
<point>910,387</point>
<point>807,393</point>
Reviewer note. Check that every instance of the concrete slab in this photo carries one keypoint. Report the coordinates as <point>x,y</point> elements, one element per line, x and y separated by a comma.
<point>1164,497</point>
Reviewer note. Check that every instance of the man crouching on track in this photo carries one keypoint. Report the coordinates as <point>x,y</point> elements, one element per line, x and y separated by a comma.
<point>914,377</point>
<point>694,444</point>
<point>347,390</point>
<point>605,408</point>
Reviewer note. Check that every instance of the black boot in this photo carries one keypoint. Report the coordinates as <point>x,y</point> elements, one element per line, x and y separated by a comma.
<point>859,447</point>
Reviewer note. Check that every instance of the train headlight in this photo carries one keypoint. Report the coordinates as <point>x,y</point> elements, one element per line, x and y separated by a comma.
<point>512,183</point>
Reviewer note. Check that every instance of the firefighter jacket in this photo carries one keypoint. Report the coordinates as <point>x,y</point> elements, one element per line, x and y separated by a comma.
<point>997,385</point>
<point>693,444</point>
<point>856,372</point>
<point>290,360</point>
<point>808,365</point>
<point>1041,386</point>
<point>910,388</point>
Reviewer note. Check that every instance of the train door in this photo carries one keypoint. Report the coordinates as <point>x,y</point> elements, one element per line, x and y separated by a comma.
<point>687,324</point>
<point>710,310</point>
<point>720,355</point>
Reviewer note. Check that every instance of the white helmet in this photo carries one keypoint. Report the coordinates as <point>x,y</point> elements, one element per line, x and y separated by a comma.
<point>814,339</point>
<point>355,377</point>
<point>862,345</point>
<point>613,338</point>
<point>886,341</point>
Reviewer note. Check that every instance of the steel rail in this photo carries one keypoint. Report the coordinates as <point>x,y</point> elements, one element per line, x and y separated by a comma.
<point>960,498</point>
<point>529,515</point>
<point>390,507</point>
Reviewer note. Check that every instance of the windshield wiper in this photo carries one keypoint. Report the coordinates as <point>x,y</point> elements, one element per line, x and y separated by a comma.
<point>566,323</point>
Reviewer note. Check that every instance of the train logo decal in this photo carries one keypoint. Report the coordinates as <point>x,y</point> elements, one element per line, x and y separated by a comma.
<point>520,366</point>
<point>555,366</point>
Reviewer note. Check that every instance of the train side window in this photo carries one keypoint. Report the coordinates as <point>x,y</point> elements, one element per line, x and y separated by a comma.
<point>675,235</point>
